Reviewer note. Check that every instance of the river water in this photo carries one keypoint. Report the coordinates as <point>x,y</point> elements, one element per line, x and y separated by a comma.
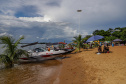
<point>25,48</point>
<point>32,73</point>
<point>42,72</point>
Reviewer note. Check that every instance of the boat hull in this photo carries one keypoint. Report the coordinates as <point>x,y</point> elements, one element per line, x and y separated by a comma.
<point>43,55</point>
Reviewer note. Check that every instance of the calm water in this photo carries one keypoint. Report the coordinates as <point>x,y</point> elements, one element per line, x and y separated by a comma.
<point>32,73</point>
<point>25,48</point>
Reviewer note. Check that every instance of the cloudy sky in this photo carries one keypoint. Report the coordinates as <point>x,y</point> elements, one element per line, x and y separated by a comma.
<point>58,20</point>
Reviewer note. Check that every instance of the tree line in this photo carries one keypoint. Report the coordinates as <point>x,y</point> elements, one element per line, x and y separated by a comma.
<point>109,35</point>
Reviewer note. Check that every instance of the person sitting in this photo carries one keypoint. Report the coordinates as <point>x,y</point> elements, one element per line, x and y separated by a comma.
<point>107,49</point>
<point>104,49</point>
<point>99,49</point>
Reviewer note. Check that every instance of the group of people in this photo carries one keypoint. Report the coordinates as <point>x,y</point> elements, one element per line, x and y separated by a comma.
<point>105,49</point>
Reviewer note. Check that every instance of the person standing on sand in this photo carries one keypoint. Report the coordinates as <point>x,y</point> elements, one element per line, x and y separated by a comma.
<point>112,44</point>
<point>100,43</point>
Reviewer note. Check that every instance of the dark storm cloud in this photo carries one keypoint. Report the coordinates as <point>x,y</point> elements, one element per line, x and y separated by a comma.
<point>47,20</point>
<point>27,11</point>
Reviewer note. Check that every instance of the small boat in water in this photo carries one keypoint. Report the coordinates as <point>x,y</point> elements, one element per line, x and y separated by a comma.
<point>41,53</point>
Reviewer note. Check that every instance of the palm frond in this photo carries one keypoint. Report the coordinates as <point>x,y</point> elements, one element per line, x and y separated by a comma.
<point>11,52</point>
<point>75,41</point>
<point>4,58</point>
<point>78,40</point>
<point>8,41</point>
<point>18,41</point>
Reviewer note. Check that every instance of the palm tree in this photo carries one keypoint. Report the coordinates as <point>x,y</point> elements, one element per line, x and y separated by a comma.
<point>78,40</point>
<point>11,53</point>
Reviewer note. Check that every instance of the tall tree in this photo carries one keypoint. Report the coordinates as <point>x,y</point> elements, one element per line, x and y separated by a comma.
<point>112,34</point>
<point>95,32</point>
<point>123,35</point>
<point>102,33</point>
<point>110,30</point>
<point>110,38</point>
<point>11,53</point>
<point>116,34</point>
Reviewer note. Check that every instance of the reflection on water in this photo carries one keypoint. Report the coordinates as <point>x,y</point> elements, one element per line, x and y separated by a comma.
<point>31,73</point>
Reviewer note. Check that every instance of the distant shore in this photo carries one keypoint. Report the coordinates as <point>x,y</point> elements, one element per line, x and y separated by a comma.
<point>87,67</point>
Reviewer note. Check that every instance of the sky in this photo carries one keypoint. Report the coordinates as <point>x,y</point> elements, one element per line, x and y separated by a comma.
<point>58,20</point>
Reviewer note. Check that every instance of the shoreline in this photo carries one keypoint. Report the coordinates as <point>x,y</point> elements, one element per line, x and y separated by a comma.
<point>87,67</point>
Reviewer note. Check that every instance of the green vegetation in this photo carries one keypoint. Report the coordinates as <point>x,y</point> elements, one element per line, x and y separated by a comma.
<point>109,35</point>
<point>79,42</point>
<point>86,37</point>
<point>11,53</point>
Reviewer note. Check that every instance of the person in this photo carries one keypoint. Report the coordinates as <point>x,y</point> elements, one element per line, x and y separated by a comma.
<point>55,48</point>
<point>48,49</point>
<point>105,44</point>
<point>107,49</point>
<point>52,47</point>
<point>104,49</point>
<point>112,44</point>
<point>100,43</point>
<point>99,49</point>
<point>90,45</point>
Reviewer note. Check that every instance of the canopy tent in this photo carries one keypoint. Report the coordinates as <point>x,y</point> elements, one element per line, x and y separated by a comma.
<point>116,40</point>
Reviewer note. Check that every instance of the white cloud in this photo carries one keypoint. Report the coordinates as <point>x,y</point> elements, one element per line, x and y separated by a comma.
<point>5,34</point>
<point>37,19</point>
<point>70,32</point>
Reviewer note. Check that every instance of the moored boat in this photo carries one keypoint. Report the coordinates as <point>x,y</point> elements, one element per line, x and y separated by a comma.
<point>39,53</point>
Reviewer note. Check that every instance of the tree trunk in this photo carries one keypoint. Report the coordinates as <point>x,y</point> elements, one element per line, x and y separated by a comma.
<point>79,47</point>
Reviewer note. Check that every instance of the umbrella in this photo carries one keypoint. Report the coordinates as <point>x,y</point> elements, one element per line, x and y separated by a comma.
<point>93,38</point>
<point>117,40</point>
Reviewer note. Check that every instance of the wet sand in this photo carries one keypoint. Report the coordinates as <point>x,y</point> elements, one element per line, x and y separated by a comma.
<point>87,67</point>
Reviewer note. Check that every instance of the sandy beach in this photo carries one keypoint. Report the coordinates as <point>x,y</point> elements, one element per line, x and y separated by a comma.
<point>87,67</point>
